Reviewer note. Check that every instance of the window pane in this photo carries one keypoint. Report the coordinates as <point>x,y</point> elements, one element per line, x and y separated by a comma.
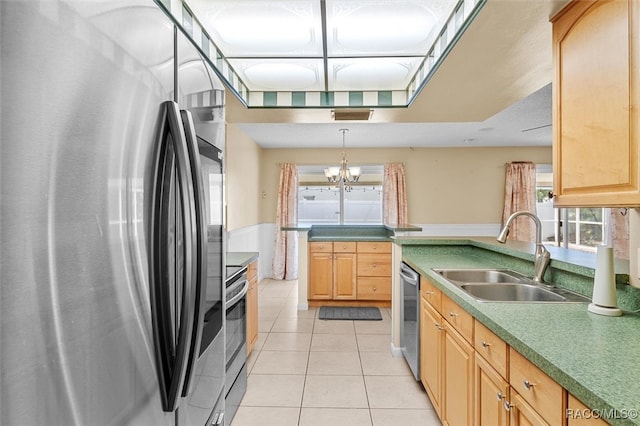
<point>591,215</point>
<point>318,205</point>
<point>572,233</point>
<point>590,235</point>
<point>319,201</point>
<point>572,214</point>
<point>363,205</point>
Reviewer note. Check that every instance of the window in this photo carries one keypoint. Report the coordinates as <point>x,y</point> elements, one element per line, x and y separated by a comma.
<point>320,202</point>
<point>581,228</point>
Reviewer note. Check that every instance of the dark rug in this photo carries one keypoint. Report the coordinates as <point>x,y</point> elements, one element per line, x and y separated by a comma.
<point>349,313</point>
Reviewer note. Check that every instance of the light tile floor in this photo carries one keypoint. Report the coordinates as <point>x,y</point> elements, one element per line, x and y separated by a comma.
<point>305,371</point>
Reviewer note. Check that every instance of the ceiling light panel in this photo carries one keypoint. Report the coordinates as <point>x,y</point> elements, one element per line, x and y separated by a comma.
<point>262,28</point>
<point>281,74</point>
<point>368,73</point>
<point>384,27</point>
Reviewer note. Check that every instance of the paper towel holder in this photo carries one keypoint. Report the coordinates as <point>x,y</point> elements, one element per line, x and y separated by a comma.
<point>604,300</point>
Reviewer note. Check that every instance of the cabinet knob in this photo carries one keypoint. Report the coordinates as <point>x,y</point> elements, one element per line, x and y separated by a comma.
<point>374,265</point>
<point>528,385</point>
<point>485,344</point>
<point>438,326</point>
<point>500,396</point>
<point>428,293</point>
<point>374,289</point>
<point>507,405</point>
<point>453,314</point>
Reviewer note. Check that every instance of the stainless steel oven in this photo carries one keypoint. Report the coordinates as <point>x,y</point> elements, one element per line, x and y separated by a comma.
<point>410,317</point>
<point>236,339</point>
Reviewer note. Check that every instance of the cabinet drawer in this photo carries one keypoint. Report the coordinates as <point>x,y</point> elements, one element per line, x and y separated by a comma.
<point>539,390</point>
<point>374,288</point>
<point>320,247</point>
<point>460,319</point>
<point>492,348</point>
<point>374,265</point>
<point>431,294</point>
<point>374,247</point>
<point>252,270</point>
<point>344,246</point>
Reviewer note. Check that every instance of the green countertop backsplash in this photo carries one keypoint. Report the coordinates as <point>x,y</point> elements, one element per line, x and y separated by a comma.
<point>596,358</point>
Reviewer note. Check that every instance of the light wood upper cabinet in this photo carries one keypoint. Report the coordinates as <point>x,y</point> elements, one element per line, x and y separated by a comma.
<point>596,91</point>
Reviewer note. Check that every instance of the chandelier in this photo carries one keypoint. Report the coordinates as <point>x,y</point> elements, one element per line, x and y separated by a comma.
<point>343,173</point>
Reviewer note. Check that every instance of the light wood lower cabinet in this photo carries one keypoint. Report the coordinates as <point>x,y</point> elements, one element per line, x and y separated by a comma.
<point>522,414</point>
<point>252,305</point>
<point>446,358</point>
<point>540,391</point>
<point>458,364</point>
<point>579,414</point>
<point>342,271</point>
<point>320,275</point>
<point>432,334</point>
<point>473,377</point>
<point>491,390</point>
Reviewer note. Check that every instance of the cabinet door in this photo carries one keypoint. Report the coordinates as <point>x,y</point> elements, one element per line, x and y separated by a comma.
<point>522,414</point>
<point>431,338</point>
<point>344,276</point>
<point>596,101</point>
<point>252,314</point>
<point>320,276</point>
<point>458,359</point>
<point>491,391</point>
<point>579,414</point>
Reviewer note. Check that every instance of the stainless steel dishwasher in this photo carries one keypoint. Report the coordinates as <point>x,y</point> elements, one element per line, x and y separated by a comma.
<point>410,318</point>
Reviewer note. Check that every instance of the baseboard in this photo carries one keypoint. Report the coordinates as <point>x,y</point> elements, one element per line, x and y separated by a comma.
<point>396,352</point>
<point>303,306</point>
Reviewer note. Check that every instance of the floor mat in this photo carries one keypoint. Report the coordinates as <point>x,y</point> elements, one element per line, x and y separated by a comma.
<point>349,313</point>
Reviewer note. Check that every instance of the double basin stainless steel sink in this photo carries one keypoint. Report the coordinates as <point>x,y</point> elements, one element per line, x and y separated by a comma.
<point>503,285</point>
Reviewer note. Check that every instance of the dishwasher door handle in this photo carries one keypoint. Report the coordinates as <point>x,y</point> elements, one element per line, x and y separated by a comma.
<point>409,275</point>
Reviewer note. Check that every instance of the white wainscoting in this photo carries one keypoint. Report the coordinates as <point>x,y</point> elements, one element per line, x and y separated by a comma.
<point>257,238</point>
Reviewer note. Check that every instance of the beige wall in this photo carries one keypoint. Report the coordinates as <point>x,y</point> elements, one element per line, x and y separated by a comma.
<point>444,185</point>
<point>242,158</point>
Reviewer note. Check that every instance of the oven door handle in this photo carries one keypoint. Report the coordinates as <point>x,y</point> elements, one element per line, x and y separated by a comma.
<point>238,296</point>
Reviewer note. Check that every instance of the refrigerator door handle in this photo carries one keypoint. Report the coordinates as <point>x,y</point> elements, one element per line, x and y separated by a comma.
<point>199,249</point>
<point>171,356</point>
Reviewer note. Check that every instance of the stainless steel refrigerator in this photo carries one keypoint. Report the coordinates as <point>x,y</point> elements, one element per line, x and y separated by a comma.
<point>111,218</point>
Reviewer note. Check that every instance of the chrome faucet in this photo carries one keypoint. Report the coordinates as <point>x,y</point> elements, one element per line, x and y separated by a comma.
<point>542,255</point>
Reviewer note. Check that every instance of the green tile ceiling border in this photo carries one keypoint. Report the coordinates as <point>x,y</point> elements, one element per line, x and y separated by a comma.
<point>459,20</point>
<point>298,99</point>
<point>385,98</point>
<point>355,99</point>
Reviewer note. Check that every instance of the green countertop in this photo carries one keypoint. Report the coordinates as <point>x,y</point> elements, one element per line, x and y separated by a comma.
<point>236,258</point>
<point>596,358</point>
